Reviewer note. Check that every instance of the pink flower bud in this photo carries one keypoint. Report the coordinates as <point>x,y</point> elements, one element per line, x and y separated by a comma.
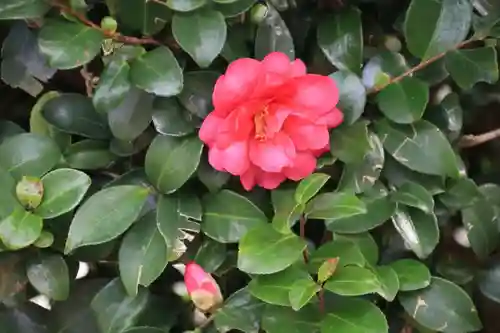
<point>201,287</point>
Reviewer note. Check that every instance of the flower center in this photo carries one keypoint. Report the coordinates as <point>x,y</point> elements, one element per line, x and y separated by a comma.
<point>260,123</point>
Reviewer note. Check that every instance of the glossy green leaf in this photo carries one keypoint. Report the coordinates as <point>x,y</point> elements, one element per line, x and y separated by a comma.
<point>235,8</point>
<point>196,96</point>
<point>353,281</point>
<point>334,206</point>
<point>405,101</point>
<point>382,67</point>
<point>340,37</point>
<point>28,154</point>
<point>286,209</point>
<point>63,191</point>
<point>273,35</point>
<point>8,200</point>
<point>350,144</point>
<point>442,306</point>
<point>69,45</point>
<point>355,316</point>
<point>20,229</point>
<point>105,215</point>
<point>280,319</point>
<point>211,178</point>
<point>185,5</point>
<point>201,34</point>
<point>389,282</point>
<point>448,116</point>
<point>143,255</point>
<point>49,275</point>
<point>115,310</point>
<point>468,67</point>
<point>89,155</point>
<point>447,24</point>
<point>22,9</point>
<point>263,250</point>
<point>8,129</point>
<point>414,195</point>
<point>170,118</point>
<point>75,114</point>
<point>157,72</point>
<point>310,186</point>
<point>419,230</point>
<point>488,281</point>
<point>302,291</point>
<point>412,274</point>
<point>347,251</point>
<point>228,216</point>
<point>171,161</point>
<point>352,95</point>
<point>240,312</point>
<point>113,87</point>
<point>460,194</point>
<point>365,243</point>
<point>147,17</point>
<point>420,146</point>
<point>211,255</point>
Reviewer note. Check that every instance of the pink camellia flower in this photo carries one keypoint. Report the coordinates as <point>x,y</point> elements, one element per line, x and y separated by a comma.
<point>201,287</point>
<point>270,120</point>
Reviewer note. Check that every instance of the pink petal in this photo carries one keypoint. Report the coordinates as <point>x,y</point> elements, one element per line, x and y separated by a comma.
<point>277,62</point>
<point>298,68</point>
<point>314,93</point>
<point>233,159</point>
<point>303,165</point>
<point>274,122</point>
<point>248,179</point>
<point>332,118</point>
<point>272,155</point>
<point>209,128</point>
<point>269,180</point>
<point>194,276</point>
<point>306,135</point>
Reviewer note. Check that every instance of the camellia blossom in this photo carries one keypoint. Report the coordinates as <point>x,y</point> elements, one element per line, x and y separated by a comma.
<point>201,287</point>
<point>270,120</point>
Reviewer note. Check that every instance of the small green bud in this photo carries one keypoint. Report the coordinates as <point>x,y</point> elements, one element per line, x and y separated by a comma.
<point>29,192</point>
<point>382,79</point>
<point>45,240</point>
<point>392,43</point>
<point>109,24</point>
<point>258,13</point>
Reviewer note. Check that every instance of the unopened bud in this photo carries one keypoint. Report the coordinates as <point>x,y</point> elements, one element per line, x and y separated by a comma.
<point>109,24</point>
<point>327,269</point>
<point>45,240</point>
<point>29,192</point>
<point>392,43</point>
<point>258,13</point>
<point>202,288</point>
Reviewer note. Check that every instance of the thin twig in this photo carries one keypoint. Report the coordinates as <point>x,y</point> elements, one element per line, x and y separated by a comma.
<point>302,232</point>
<point>471,140</point>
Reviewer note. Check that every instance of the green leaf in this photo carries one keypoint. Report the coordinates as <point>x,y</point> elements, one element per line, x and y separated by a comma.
<point>63,191</point>
<point>131,118</point>
<point>74,113</point>
<point>69,45</point>
<point>488,281</point>
<point>442,306</point>
<point>170,118</point>
<point>359,177</point>
<point>49,275</point>
<point>115,310</point>
<point>28,154</point>
<point>352,95</point>
<point>414,195</point>
<point>302,292</point>
<point>113,87</point>
<point>196,96</point>
<point>211,255</point>
<point>263,250</point>
<point>365,243</point>
<point>347,251</point>
<point>382,67</point>
<point>280,319</point>
<point>412,274</point>
<point>273,36</point>
<point>468,67</point>
<point>89,154</point>
<point>275,288</point>
<point>211,178</point>
<point>340,37</point>
<point>22,9</point>
<point>389,282</point>
<point>143,255</point>
<point>20,229</point>
<point>240,312</point>
<point>105,215</point>
<point>201,34</point>
<point>235,8</point>
<point>157,72</point>
<point>448,116</point>
<point>353,281</point>
<point>405,101</point>
<point>447,24</point>
<point>148,17</point>
<point>334,206</point>
<point>185,5</point>
<point>351,143</point>
<point>420,146</point>
<point>228,216</point>
<point>461,193</point>
<point>190,206</point>
<point>310,186</point>
<point>171,161</point>
<point>286,210</point>
<point>354,316</point>
<point>419,230</point>
<point>8,200</point>
<point>9,128</point>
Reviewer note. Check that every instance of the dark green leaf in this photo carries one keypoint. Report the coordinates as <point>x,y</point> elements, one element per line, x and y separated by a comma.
<point>352,95</point>
<point>8,129</point>
<point>412,274</point>
<point>228,216</point>
<point>286,210</point>
<point>280,319</point>
<point>113,87</point>
<point>448,116</point>
<point>460,194</point>
<point>74,113</point>
<point>201,34</point>
<point>414,195</point>
<point>365,243</point>
<point>171,161</point>
<point>157,72</point>
<point>8,200</point>
<point>389,282</point>
<point>263,250</point>
<point>382,67</point>
<point>302,291</point>
<point>273,36</point>
<point>235,8</point>
<point>22,9</point>
<point>89,154</point>
<point>347,251</point>
<point>210,177</point>
<point>20,229</point>
<point>334,206</point>
<point>170,118</point>
<point>353,281</point>
<point>443,306</point>
<point>67,44</point>
<point>447,24</point>
<point>241,312</point>
<point>196,96</point>
<point>351,143</point>
<point>185,5</point>
<point>211,255</point>
<point>49,275</point>
<point>105,215</point>
<point>489,280</point>
<point>468,67</point>
<point>310,186</point>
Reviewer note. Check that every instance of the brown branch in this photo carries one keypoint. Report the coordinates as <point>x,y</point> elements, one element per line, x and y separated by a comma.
<point>472,140</point>
<point>422,65</point>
